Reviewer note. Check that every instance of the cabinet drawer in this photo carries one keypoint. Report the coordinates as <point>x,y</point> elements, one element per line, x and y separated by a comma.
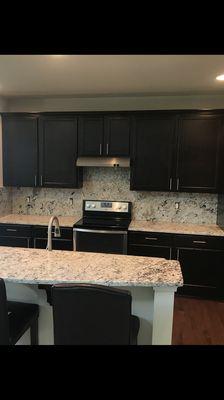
<point>15,230</point>
<point>149,238</point>
<point>199,241</point>
<point>41,232</point>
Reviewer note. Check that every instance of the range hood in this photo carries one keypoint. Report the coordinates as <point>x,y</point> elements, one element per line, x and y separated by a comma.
<point>103,162</point>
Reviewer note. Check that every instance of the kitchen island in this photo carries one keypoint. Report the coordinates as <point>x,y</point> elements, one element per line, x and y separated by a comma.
<point>151,281</point>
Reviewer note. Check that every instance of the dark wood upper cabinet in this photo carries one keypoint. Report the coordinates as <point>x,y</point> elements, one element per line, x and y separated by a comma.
<point>58,152</point>
<point>169,150</point>
<point>153,151</point>
<point>117,136</point>
<point>198,154</point>
<point>20,150</point>
<point>106,135</point>
<point>90,136</point>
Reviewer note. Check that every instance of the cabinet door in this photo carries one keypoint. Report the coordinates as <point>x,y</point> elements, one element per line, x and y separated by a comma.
<point>198,153</point>
<point>117,136</point>
<point>57,244</point>
<point>15,241</point>
<point>20,149</point>
<point>203,272</point>
<point>58,152</point>
<point>150,251</point>
<point>152,159</point>
<point>90,136</point>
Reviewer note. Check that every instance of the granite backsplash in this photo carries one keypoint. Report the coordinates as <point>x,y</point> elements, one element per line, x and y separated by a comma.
<point>5,201</point>
<point>114,184</point>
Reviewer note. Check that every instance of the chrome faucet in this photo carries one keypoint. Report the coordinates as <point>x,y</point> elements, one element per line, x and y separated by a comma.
<point>56,232</point>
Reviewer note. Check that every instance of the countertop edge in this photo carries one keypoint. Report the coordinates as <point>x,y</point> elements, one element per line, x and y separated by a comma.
<point>106,283</point>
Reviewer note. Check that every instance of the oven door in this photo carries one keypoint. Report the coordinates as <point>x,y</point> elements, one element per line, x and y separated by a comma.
<point>100,241</point>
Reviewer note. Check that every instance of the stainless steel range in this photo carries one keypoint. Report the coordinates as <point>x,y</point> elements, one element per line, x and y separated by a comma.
<point>103,227</point>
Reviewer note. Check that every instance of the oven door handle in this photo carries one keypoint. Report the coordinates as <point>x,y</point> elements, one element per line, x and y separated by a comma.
<point>99,231</point>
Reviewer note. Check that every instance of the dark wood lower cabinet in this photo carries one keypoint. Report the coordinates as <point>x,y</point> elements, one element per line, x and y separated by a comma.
<point>201,259</point>
<point>65,242</point>
<point>57,244</point>
<point>15,241</point>
<point>150,251</point>
<point>31,236</point>
<point>203,272</point>
<point>149,244</point>
<point>14,235</point>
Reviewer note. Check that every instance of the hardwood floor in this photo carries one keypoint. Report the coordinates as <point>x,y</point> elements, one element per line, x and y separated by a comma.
<point>199,322</point>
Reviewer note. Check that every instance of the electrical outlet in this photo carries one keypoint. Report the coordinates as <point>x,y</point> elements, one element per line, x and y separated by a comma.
<point>28,199</point>
<point>70,201</point>
<point>177,205</point>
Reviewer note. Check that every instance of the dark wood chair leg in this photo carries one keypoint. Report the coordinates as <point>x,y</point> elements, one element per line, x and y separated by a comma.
<point>34,332</point>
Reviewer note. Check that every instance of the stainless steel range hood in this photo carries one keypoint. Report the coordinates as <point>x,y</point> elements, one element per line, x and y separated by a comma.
<point>103,162</point>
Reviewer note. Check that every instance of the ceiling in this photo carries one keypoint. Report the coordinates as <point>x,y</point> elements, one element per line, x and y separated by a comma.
<point>110,75</point>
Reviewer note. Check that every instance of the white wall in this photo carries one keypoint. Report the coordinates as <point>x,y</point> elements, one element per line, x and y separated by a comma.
<point>3,104</point>
<point>3,107</point>
<point>35,104</point>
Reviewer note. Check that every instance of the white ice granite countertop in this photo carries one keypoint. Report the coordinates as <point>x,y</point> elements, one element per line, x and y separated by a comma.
<point>36,266</point>
<point>38,219</point>
<point>136,225</point>
<point>170,227</point>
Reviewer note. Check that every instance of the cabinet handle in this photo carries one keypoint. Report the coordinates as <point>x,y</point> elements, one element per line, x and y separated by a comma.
<point>151,238</point>
<point>170,183</point>
<point>11,230</point>
<point>178,254</point>
<point>41,180</point>
<point>170,253</point>
<point>107,148</point>
<point>178,181</point>
<point>199,241</point>
<point>100,148</point>
<point>35,180</point>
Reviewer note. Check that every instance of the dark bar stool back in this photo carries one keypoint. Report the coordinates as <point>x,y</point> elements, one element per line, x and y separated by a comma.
<point>16,318</point>
<point>92,315</point>
<point>4,323</point>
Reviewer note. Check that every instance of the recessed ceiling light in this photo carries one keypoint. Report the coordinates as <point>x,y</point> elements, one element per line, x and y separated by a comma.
<point>220,77</point>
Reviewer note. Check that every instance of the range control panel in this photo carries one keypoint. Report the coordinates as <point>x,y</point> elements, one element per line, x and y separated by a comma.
<point>110,206</point>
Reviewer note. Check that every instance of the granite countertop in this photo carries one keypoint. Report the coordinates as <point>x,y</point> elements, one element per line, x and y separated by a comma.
<point>136,225</point>
<point>170,227</point>
<point>38,219</point>
<point>37,266</point>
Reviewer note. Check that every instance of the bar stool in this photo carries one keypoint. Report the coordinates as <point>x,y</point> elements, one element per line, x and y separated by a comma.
<point>16,318</point>
<point>93,315</point>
